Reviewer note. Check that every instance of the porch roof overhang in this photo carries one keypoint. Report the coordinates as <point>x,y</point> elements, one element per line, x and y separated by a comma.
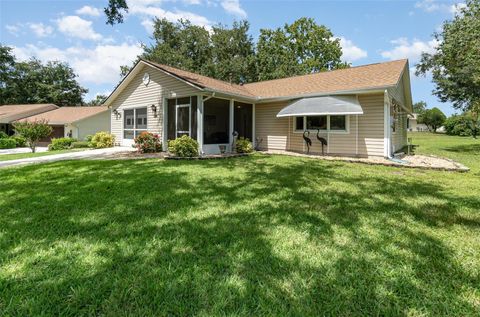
<point>326,105</point>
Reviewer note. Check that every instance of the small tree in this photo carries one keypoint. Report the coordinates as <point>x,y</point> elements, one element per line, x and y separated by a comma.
<point>432,118</point>
<point>419,107</point>
<point>33,131</point>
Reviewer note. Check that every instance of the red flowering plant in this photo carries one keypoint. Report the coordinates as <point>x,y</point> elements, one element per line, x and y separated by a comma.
<point>148,142</point>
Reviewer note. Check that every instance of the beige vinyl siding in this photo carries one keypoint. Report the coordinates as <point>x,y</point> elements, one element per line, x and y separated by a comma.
<point>272,131</point>
<point>137,95</point>
<point>89,126</point>
<point>278,133</point>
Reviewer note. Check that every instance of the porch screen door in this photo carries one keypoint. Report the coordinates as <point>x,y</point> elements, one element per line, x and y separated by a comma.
<point>183,120</point>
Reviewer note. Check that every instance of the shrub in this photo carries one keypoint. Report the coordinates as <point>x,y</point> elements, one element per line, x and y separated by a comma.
<point>80,145</point>
<point>19,140</point>
<point>7,143</point>
<point>184,146</point>
<point>458,125</point>
<point>89,138</point>
<point>102,140</point>
<point>60,144</point>
<point>243,145</point>
<point>3,135</point>
<point>148,142</point>
<point>33,131</point>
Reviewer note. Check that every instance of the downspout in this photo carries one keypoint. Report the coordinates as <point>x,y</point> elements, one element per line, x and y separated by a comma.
<point>387,151</point>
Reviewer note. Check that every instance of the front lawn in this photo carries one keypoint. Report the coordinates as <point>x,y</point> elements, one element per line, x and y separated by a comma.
<point>17,156</point>
<point>251,236</point>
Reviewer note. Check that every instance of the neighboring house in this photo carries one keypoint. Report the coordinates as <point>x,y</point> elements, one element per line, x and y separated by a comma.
<point>413,125</point>
<point>75,122</point>
<point>11,113</point>
<point>361,111</point>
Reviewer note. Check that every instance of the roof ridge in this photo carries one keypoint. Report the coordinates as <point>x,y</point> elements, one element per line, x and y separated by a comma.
<point>327,71</point>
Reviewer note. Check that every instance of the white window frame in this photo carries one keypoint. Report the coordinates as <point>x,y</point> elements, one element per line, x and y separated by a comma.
<point>328,130</point>
<point>134,122</point>
<point>189,106</point>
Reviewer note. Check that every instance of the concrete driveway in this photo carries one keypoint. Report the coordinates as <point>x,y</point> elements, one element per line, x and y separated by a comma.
<point>23,150</point>
<point>87,154</point>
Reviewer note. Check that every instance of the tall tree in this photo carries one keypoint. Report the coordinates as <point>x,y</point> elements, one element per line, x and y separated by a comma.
<point>7,65</point>
<point>224,53</point>
<point>97,101</point>
<point>233,53</point>
<point>432,118</point>
<point>455,64</point>
<point>35,82</point>
<point>115,11</point>
<point>302,47</point>
<point>181,45</point>
<point>419,107</point>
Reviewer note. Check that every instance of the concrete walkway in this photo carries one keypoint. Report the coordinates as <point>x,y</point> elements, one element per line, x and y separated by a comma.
<point>87,154</point>
<point>20,150</point>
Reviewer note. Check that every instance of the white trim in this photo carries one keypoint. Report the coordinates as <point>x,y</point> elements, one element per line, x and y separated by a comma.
<point>386,125</point>
<point>200,122</point>
<point>253,127</point>
<point>356,134</point>
<point>320,114</point>
<point>231,123</point>
<point>165,124</point>
<point>328,130</point>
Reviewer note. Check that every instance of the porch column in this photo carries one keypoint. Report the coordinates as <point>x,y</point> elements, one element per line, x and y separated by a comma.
<point>254,138</point>
<point>164,125</point>
<point>231,124</point>
<point>200,123</point>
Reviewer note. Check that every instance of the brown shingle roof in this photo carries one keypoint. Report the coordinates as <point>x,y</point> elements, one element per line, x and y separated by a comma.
<point>65,115</point>
<point>10,113</point>
<point>203,81</point>
<point>371,76</point>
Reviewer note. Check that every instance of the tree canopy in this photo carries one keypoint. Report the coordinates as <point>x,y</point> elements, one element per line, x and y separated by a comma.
<point>229,53</point>
<point>35,82</point>
<point>302,47</point>
<point>455,64</point>
<point>419,107</point>
<point>432,118</point>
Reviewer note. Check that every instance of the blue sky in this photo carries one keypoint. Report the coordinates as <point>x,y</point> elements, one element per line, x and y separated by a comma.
<point>75,30</point>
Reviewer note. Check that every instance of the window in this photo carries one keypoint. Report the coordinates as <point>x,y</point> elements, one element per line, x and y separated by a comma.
<point>299,123</point>
<point>182,117</point>
<point>134,122</point>
<point>334,123</point>
<point>338,123</point>
<point>317,122</point>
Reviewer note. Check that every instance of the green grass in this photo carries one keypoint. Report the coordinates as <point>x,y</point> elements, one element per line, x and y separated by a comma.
<point>251,236</point>
<point>17,156</point>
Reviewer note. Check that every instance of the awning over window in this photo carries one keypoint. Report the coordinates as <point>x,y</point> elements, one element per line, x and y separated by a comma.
<point>328,105</point>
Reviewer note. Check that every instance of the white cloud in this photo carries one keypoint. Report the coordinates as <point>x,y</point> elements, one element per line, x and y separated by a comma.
<point>13,29</point>
<point>455,9</point>
<point>439,6</point>
<point>40,29</point>
<point>75,26</point>
<point>88,10</point>
<point>351,52</point>
<point>148,9</point>
<point>233,7</point>
<point>412,50</point>
<point>99,65</point>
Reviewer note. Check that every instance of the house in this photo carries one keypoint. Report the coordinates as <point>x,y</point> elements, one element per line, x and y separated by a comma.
<point>11,113</point>
<point>413,125</point>
<point>360,111</point>
<point>75,122</point>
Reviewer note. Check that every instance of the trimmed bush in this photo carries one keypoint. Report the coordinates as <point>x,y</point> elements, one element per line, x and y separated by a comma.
<point>102,140</point>
<point>243,145</point>
<point>89,138</point>
<point>19,140</point>
<point>80,145</point>
<point>61,144</point>
<point>7,143</point>
<point>148,142</point>
<point>3,135</point>
<point>184,146</point>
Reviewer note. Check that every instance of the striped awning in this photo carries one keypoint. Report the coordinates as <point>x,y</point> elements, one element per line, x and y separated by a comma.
<point>317,106</point>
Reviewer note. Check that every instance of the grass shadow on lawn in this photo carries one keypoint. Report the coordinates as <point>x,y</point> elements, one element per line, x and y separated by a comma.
<point>249,236</point>
<point>464,148</point>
